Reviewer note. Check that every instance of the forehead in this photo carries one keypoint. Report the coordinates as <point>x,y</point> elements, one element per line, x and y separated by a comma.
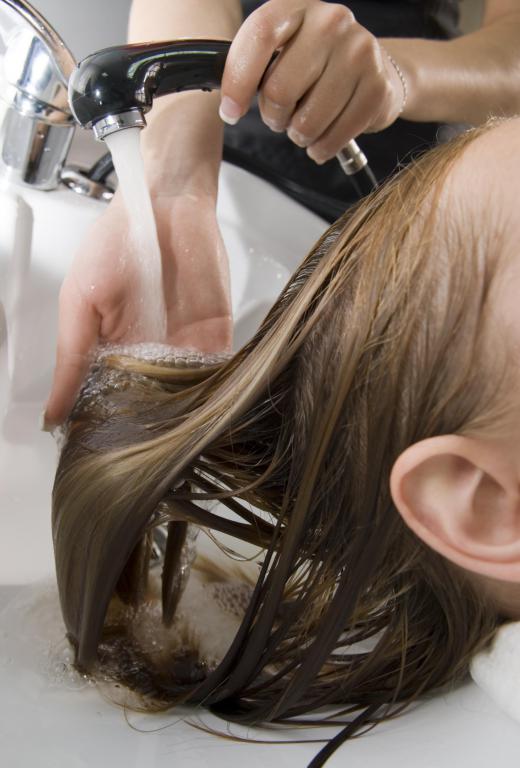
<point>486,185</point>
<point>480,199</point>
<point>486,177</point>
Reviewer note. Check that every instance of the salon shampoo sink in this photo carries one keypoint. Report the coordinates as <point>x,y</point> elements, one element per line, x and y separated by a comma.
<point>47,718</point>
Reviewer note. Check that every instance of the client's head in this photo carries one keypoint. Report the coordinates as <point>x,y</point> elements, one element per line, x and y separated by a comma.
<point>366,440</point>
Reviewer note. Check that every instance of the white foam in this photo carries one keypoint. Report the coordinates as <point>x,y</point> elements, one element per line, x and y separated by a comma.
<point>161,354</point>
<point>33,638</point>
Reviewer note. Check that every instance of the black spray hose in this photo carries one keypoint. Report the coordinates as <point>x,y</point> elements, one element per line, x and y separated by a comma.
<point>364,181</point>
<point>101,169</point>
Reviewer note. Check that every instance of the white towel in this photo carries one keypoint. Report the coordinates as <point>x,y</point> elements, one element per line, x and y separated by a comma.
<point>497,670</point>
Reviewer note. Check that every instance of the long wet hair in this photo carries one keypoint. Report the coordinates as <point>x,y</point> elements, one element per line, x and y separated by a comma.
<point>377,341</point>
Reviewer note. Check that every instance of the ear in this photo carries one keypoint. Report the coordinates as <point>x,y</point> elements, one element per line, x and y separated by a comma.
<point>460,495</point>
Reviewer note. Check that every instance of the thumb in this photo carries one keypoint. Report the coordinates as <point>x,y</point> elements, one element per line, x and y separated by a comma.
<point>78,332</point>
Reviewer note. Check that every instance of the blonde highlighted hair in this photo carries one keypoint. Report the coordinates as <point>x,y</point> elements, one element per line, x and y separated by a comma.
<point>377,341</point>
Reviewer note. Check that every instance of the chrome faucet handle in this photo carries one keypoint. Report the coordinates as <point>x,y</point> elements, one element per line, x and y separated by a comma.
<point>36,125</point>
<point>23,14</point>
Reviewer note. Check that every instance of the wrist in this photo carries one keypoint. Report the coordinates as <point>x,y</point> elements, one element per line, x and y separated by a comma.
<point>182,144</point>
<point>406,73</point>
<point>398,79</point>
<point>181,173</point>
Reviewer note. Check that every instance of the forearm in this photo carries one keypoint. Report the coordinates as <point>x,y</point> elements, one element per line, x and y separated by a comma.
<point>466,79</point>
<point>171,19</point>
<point>182,144</point>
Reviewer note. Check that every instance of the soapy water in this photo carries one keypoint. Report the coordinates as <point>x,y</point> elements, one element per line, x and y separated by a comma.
<point>33,636</point>
<point>209,611</point>
<point>143,246</point>
<point>33,639</point>
<point>162,354</point>
<point>102,380</point>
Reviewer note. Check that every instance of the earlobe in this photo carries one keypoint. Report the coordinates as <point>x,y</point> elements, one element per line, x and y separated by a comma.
<point>460,495</point>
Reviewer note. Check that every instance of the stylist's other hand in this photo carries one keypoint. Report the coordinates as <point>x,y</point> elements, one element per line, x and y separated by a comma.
<point>330,82</point>
<point>99,299</point>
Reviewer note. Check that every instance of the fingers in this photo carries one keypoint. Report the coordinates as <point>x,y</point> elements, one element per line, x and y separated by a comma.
<point>289,78</point>
<point>78,332</point>
<point>357,117</point>
<point>329,83</point>
<point>318,110</point>
<point>321,58</point>
<point>361,56</point>
<point>265,31</point>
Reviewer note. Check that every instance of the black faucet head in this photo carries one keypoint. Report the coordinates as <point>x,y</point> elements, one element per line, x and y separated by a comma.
<point>113,88</point>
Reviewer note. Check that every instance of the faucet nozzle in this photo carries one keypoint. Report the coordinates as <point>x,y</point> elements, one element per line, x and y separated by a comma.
<point>134,118</point>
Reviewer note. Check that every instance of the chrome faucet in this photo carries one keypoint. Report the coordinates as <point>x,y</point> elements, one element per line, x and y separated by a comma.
<point>36,124</point>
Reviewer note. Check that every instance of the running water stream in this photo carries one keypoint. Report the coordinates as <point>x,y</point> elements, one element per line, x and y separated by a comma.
<point>143,246</point>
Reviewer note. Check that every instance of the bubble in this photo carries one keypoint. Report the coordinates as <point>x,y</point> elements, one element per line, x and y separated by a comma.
<point>104,380</point>
<point>34,639</point>
<point>60,670</point>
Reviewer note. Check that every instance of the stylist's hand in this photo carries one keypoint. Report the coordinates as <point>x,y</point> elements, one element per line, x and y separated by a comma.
<point>331,81</point>
<point>99,299</point>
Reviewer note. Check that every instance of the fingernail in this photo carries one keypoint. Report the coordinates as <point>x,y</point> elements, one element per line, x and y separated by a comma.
<point>275,126</point>
<point>297,138</point>
<point>317,156</point>
<point>230,112</point>
<point>275,123</point>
